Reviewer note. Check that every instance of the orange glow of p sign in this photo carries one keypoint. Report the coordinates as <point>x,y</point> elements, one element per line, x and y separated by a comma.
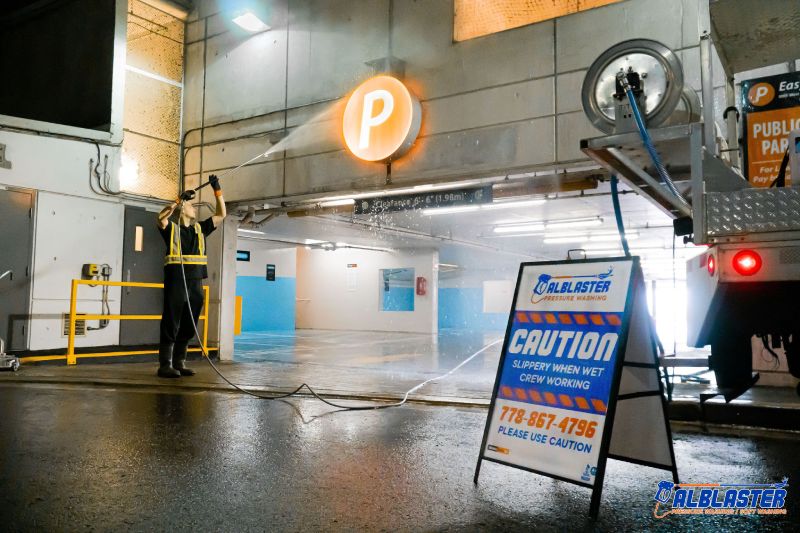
<point>381,119</point>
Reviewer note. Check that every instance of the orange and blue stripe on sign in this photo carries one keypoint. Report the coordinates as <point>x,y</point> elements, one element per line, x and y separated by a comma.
<point>561,359</point>
<point>564,401</point>
<point>569,318</point>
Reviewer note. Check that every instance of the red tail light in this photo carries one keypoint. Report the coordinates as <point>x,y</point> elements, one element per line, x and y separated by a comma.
<point>711,265</point>
<point>747,262</point>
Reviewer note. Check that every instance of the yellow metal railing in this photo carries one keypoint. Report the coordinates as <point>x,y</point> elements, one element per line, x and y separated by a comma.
<point>72,358</point>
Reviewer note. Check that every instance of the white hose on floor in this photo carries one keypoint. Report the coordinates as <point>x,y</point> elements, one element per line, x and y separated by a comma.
<point>278,396</point>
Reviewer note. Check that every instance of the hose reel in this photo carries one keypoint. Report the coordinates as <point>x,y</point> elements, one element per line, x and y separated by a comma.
<point>657,76</point>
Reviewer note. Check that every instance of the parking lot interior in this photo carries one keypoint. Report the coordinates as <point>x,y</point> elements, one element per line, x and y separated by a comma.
<point>443,209</point>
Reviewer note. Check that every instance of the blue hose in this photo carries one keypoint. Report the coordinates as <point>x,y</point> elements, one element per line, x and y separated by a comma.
<point>648,143</point>
<point>618,215</point>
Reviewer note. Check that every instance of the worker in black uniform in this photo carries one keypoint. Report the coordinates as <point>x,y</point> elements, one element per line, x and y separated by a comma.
<point>189,252</point>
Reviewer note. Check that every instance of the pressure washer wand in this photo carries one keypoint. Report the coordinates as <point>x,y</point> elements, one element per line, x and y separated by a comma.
<point>231,171</point>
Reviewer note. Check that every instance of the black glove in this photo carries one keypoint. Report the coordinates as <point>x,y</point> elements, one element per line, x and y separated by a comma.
<point>213,180</point>
<point>187,196</point>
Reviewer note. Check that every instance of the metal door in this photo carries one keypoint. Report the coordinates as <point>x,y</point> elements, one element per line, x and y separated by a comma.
<point>143,262</point>
<point>16,214</point>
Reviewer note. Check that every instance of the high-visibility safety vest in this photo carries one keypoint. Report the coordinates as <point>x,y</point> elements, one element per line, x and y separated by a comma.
<point>174,258</point>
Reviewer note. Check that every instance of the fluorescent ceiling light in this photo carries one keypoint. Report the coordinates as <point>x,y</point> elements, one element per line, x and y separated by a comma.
<point>341,244</point>
<point>589,222</point>
<point>449,210</point>
<point>511,205</point>
<point>519,228</point>
<point>546,226</point>
<point>337,203</point>
<point>251,231</point>
<point>249,22</point>
<point>312,241</point>
<point>611,237</point>
<point>514,235</point>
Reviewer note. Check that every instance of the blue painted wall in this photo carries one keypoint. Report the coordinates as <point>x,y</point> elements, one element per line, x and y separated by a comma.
<point>462,308</point>
<point>398,299</point>
<point>267,305</point>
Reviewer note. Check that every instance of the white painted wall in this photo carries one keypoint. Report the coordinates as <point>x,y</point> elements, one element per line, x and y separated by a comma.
<point>325,302</point>
<point>71,231</point>
<point>222,287</point>
<point>262,254</point>
<point>52,164</point>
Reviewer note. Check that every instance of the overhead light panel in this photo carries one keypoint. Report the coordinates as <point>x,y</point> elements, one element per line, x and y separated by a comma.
<point>548,225</point>
<point>249,22</point>
<point>519,228</point>
<point>512,205</point>
<point>450,210</point>
<point>577,223</point>
<point>337,203</point>
<point>250,231</point>
<point>584,237</point>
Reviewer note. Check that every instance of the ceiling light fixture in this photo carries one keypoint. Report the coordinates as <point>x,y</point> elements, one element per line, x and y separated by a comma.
<point>450,210</point>
<point>584,237</point>
<point>512,205</point>
<point>250,231</point>
<point>585,223</point>
<point>519,228</point>
<point>249,22</point>
<point>337,203</point>
<point>548,225</point>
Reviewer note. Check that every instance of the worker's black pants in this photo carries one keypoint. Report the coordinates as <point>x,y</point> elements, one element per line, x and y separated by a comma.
<point>176,322</point>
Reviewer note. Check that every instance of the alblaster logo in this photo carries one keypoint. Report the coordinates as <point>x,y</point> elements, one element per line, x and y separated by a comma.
<point>547,287</point>
<point>720,498</point>
<point>588,473</point>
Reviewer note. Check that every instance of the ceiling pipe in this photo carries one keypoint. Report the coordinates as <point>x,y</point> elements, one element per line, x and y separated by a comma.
<point>565,172</point>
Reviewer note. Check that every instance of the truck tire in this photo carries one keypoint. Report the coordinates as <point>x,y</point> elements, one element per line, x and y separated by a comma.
<point>732,360</point>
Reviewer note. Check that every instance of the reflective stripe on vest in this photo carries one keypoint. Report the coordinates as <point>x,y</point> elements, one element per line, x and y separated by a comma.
<point>173,258</point>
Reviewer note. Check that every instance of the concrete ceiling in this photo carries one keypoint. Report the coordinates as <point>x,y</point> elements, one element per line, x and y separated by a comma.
<point>470,238</point>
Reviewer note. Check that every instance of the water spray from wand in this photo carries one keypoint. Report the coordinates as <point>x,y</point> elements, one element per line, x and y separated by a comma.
<point>233,170</point>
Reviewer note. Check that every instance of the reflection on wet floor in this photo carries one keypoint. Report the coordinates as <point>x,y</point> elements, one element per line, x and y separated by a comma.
<point>89,458</point>
<point>405,353</point>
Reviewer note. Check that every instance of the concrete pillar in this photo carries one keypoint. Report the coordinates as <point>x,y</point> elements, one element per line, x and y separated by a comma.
<point>222,286</point>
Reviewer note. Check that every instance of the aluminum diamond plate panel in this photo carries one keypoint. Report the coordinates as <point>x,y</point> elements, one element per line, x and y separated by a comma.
<point>752,211</point>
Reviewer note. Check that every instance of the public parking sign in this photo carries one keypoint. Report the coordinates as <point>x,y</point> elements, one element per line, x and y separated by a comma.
<point>579,340</point>
<point>771,108</point>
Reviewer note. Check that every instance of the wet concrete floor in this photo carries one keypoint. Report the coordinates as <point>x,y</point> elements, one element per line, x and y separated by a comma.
<point>79,457</point>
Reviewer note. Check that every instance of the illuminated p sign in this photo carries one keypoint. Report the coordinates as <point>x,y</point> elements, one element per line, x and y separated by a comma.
<point>381,119</point>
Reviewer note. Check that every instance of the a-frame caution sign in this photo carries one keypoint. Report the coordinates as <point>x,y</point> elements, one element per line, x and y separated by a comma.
<point>578,376</point>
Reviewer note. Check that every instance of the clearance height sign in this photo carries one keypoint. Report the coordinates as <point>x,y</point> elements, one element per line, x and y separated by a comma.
<point>560,370</point>
<point>771,108</point>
